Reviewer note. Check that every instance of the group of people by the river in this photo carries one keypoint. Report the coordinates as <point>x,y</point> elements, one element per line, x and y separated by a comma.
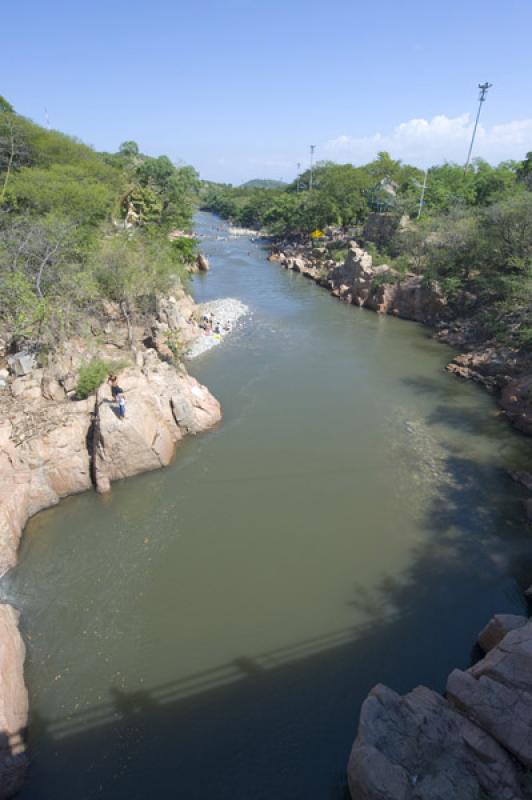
<point>210,325</point>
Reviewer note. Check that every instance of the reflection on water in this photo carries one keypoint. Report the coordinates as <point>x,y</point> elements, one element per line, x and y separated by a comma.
<point>211,629</point>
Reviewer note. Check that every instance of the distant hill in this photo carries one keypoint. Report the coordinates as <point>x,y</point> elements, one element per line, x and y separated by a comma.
<point>261,183</point>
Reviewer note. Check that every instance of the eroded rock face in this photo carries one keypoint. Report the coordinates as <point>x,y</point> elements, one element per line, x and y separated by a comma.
<point>15,482</point>
<point>48,449</point>
<point>13,704</point>
<point>379,288</point>
<point>162,406</point>
<point>419,747</point>
<point>475,743</point>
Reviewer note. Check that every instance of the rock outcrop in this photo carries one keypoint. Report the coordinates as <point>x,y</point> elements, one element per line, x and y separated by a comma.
<point>51,448</point>
<point>13,704</point>
<point>497,628</point>
<point>379,288</point>
<point>43,456</point>
<point>53,444</point>
<point>202,263</point>
<point>163,406</point>
<point>475,743</point>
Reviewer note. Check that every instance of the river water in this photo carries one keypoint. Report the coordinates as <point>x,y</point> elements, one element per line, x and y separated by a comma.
<point>210,630</point>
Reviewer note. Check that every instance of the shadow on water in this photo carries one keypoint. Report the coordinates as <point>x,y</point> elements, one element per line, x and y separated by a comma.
<point>279,724</point>
<point>274,724</point>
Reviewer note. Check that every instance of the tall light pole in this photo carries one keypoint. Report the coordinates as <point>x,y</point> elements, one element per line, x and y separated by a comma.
<point>312,148</point>
<point>298,174</point>
<point>483,92</point>
<point>422,198</point>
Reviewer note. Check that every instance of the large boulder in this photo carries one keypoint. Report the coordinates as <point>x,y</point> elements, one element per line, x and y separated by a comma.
<point>22,363</point>
<point>356,273</point>
<point>475,743</point>
<point>497,692</point>
<point>13,704</point>
<point>418,747</point>
<point>202,262</point>
<point>162,406</point>
<point>51,449</point>
<point>382,289</point>
<point>497,628</point>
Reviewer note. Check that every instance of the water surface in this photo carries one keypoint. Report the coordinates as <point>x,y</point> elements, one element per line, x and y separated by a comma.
<point>210,630</point>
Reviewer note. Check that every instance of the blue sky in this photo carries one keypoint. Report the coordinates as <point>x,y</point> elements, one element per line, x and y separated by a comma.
<point>240,89</point>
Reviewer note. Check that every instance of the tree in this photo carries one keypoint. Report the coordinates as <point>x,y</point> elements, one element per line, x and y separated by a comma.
<point>129,148</point>
<point>13,148</point>
<point>524,171</point>
<point>5,106</point>
<point>42,278</point>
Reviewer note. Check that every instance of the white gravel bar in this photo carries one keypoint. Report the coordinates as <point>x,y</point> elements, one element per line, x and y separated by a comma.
<point>225,312</point>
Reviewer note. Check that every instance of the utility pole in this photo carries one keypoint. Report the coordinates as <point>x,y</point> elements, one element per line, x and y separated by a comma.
<point>312,148</point>
<point>298,176</point>
<point>483,92</point>
<point>422,198</point>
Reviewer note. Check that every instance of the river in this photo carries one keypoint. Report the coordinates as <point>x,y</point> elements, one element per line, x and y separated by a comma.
<point>210,630</point>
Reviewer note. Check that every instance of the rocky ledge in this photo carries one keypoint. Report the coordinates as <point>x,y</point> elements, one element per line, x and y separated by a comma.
<point>475,744</point>
<point>53,448</point>
<point>53,445</point>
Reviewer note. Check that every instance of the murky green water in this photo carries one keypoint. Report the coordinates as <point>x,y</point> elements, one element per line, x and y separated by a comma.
<point>210,630</point>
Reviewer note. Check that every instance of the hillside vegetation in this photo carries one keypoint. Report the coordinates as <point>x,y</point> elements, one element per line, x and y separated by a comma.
<point>472,234</point>
<point>78,228</point>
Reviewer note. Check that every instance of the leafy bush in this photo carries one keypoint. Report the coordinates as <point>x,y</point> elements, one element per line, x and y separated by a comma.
<point>92,375</point>
<point>185,249</point>
<point>62,244</point>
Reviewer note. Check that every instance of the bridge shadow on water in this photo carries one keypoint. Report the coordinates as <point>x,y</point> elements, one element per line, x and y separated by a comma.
<point>280,724</point>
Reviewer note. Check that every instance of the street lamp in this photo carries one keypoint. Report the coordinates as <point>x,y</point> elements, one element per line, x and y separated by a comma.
<point>483,92</point>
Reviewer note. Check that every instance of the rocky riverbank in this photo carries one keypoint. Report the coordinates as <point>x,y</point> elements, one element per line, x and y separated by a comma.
<point>356,280</point>
<point>53,444</point>
<point>505,372</point>
<point>473,744</point>
<point>476,742</point>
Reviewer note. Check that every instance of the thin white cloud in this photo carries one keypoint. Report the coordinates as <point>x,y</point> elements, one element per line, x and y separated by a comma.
<point>424,142</point>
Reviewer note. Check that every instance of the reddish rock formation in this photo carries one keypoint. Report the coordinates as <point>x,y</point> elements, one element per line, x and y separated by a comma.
<point>163,405</point>
<point>46,447</point>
